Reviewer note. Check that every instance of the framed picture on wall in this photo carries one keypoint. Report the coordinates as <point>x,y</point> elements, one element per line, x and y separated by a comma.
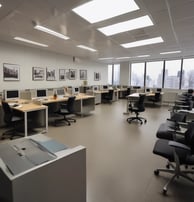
<point>37,73</point>
<point>72,74</point>
<point>50,74</point>
<point>96,76</point>
<point>83,74</point>
<point>11,72</point>
<point>63,74</point>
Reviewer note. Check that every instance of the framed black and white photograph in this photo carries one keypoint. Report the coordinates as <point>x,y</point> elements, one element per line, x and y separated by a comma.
<point>38,73</point>
<point>11,72</point>
<point>63,74</point>
<point>72,74</point>
<point>83,74</point>
<point>96,76</point>
<point>50,74</point>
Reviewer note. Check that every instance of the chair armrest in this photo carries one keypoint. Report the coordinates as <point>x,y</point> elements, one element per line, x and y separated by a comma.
<point>179,145</point>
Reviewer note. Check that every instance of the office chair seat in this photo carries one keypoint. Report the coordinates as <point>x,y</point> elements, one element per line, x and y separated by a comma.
<point>137,108</point>
<point>65,110</point>
<point>12,120</point>
<point>177,154</point>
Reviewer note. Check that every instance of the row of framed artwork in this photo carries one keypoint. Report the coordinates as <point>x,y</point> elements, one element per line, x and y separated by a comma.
<point>11,72</point>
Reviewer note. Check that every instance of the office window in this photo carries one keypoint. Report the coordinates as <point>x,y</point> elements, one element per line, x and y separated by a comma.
<point>188,74</point>
<point>110,74</point>
<point>154,74</point>
<point>137,74</point>
<point>172,74</point>
<point>114,74</point>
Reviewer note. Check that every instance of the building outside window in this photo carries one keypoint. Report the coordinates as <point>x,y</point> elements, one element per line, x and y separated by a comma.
<point>154,74</point>
<point>137,74</point>
<point>114,74</point>
<point>188,74</point>
<point>172,74</point>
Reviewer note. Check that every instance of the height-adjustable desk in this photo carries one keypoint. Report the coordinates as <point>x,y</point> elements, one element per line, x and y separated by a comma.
<point>42,178</point>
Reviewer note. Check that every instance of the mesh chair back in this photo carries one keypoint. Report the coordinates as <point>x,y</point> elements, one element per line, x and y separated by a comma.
<point>8,114</point>
<point>157,96</point>
<point>70,104</point>
<point>140,104</point>
<point>189,136</point>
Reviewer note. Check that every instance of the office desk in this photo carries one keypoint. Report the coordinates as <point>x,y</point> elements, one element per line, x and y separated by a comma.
<point>31,107</point>
<point>57,180</point>
<point>84,104</point>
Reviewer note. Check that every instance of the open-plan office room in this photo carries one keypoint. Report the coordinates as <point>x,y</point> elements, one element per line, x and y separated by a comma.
<point>92,106</point>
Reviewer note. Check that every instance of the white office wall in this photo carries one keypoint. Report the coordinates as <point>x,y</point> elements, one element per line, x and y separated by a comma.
<point>31,57</point>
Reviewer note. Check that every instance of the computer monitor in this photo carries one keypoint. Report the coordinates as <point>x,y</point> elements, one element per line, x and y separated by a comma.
<point>11,94</point>
<point>75,90</point>
<point>95,88</point>
<point>105,87</point>
<point>158,89</point>
<point>41,93</point>
<point>147,89</point>
<point>60,92</point>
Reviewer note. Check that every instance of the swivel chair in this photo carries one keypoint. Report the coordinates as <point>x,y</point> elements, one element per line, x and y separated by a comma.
<point>177,154</point>
<point>137,108</point>
<point>156,98</point>
<point>65,110</point>
<point>108,97</point>
<point>12,120</point>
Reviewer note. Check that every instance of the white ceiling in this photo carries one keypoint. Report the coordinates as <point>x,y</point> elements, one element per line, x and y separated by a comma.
<point>173,21</point>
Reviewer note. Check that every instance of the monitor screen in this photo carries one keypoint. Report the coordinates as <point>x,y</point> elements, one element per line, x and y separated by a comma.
<point>105,87</point>
<point>75,90</point>
<point>147,89</point>
<point>60,91</point>
<point>11,94</point>
<point>41,93</point>
<point>95,88</point>
<point>158,89</point>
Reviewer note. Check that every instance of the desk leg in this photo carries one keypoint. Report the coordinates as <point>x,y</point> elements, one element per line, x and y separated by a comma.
<point>25,124</point>
<point>46,119</point>
<point>127,112</point>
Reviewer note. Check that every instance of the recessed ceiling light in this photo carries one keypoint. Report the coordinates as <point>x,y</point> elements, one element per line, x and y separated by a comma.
<point>143,56</point>
<point>136,23</point>
<point>49,31</point>
<point>87,48</point>
<point>31,42</point>
<point>171,52</point>
<point>98,10</point>
<point>120,58</point>
<point>143,42</point>
<point>110,58</point>
<point>0,5</point>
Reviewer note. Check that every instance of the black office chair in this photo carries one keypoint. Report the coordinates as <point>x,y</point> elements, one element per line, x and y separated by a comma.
<point>137,108</point>
<point>65,110</point>
<point>12,120</point>
<point>169,130</point>
<point>156,98</point>
<point>177,154</point>
<point>108,97</point>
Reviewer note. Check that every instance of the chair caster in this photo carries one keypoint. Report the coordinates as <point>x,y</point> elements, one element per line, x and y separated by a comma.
<point>164,191</point>
<point>145,121</point>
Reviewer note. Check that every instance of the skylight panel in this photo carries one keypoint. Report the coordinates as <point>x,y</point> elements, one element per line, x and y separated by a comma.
<point>143,42</point>
<point>129,25</point>
<point>99,10</point>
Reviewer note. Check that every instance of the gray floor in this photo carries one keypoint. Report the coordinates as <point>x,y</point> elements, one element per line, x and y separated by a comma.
<point>120,162</point>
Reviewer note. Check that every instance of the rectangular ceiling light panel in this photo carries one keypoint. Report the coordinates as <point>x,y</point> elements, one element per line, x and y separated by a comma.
<point>129,25</point>
<point>171,52</point>
<point>49,31</point>
<point>29,41</point>
<point>99,10</point>
<point>143,42</point>
<point>87,48</point>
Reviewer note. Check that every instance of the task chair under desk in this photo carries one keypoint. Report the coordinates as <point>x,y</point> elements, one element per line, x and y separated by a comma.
<point>60,179</point>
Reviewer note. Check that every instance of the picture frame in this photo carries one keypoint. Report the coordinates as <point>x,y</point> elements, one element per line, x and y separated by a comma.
<point>11,72</point>
<point>63,74</point>
<point>83,74</point>
<point>38,73</point>
<point>50,74</point>
<point>72,74</point>
<point>96,76</point>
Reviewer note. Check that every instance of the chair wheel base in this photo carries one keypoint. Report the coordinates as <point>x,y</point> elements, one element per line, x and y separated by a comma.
<point>156,172</point>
